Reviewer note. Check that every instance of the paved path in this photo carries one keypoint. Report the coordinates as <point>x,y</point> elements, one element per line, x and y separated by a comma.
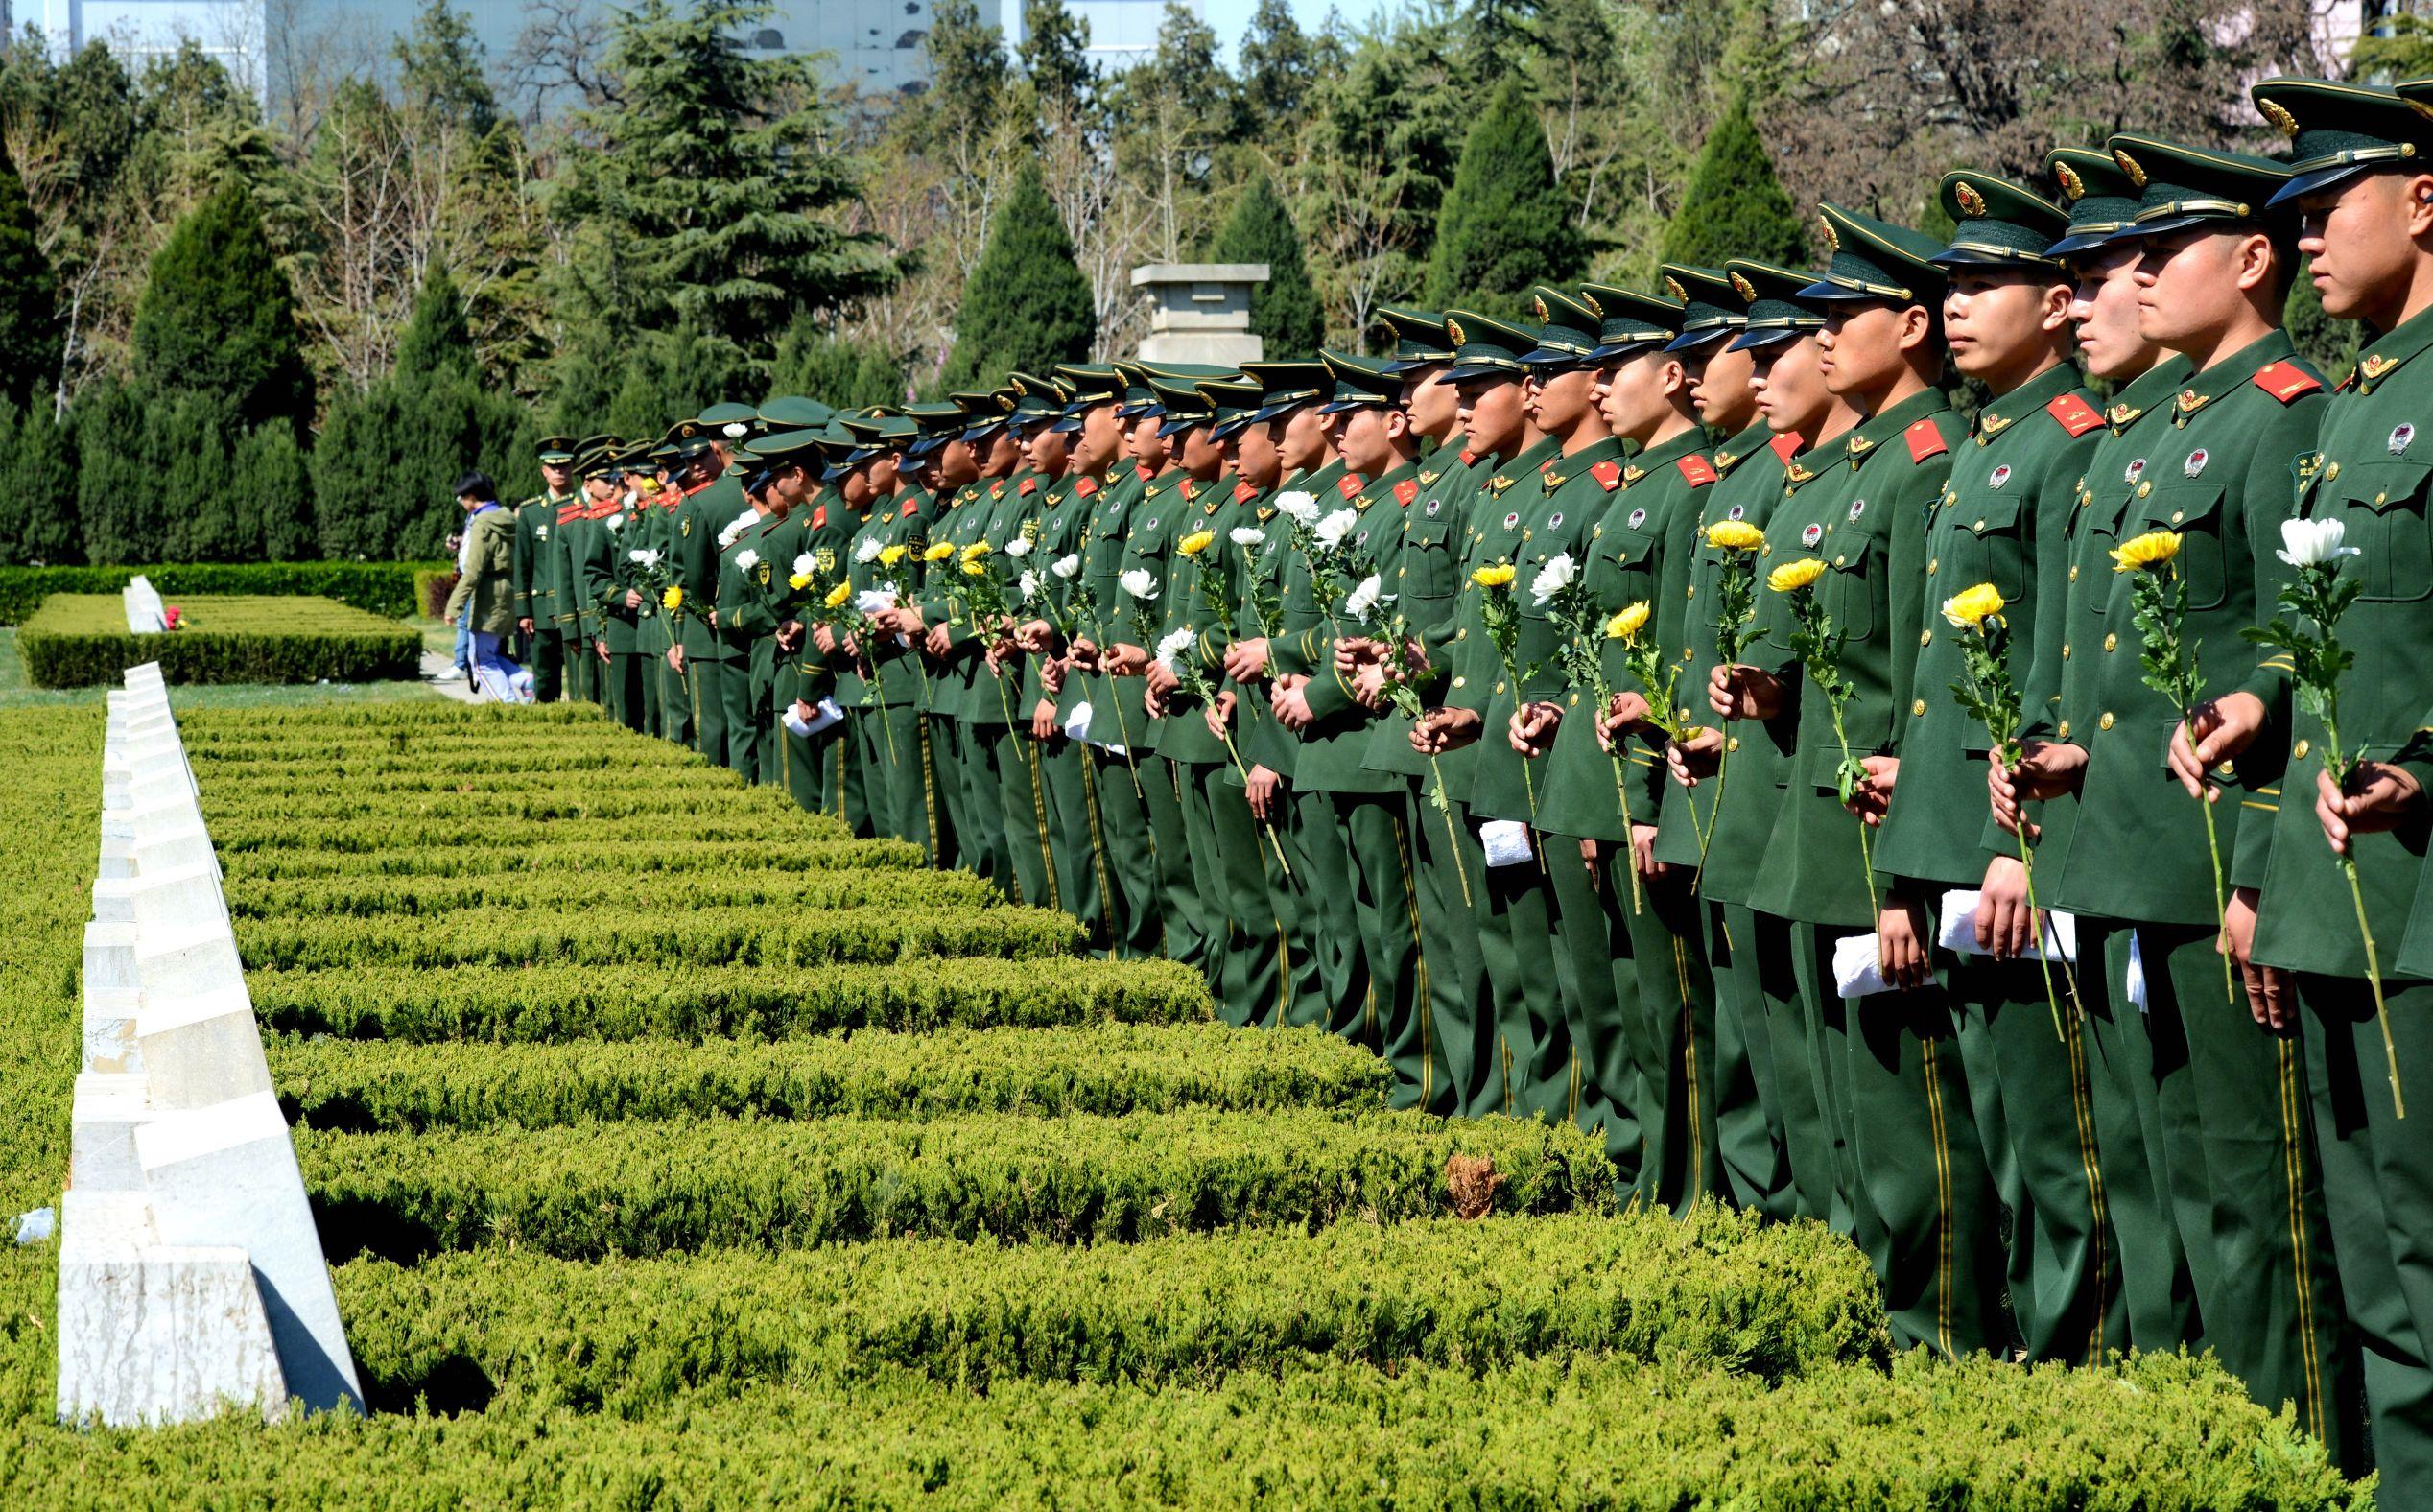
<point>434,670</point>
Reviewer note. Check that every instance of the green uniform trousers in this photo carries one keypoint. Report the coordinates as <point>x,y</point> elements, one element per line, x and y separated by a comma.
<point>1185,922</point>
<point>2377,1174</point>
<point>675,701</point>
<point>580,660</point>
<point>1377,828</point>
<point>1072,838</point>
<point>1135,924</point>
<point>1751,1139</point>
<point>985,839</point>
<point>547,656</point>
<point>1600,1001</point>
<point>1536,1070</point>
<point>625,674</point>
<point>1451,874</point>
<point>708,676</point>
<point>1269,974</point>
<point>1021,798</point>
<point>1331,905</point>
<point>1676,1034</point>
<point>745,729</point>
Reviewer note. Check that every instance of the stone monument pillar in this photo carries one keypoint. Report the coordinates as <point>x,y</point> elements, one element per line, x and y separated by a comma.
<point>1200,312</point>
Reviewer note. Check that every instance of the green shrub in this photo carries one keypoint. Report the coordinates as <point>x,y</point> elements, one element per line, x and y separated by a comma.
<point>49,811</point>
<point>510,895</point>
<point>382,588</point>
<point>539,1004</point>
<point>617,1189</point>
<point>77,640</point>
<point>1105,1070</point>
<point>1720,1292</point>
<point>811,855</point>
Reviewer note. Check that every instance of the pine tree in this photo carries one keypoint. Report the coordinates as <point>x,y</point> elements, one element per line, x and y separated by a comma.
<point>119,505</point>
<point>37,488</point>
<point>435,342</point>
<point>218,321</point>
<point>1734,206</point>
<point>29,302</point>
<point>1504,226</point>
<point>1284,312</point>
<point>838,374</point>
<point>1028,307</point>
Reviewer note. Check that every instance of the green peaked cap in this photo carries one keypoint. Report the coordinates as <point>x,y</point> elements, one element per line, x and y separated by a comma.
<point>1875,261</point>
<point>2180,186</point>
<point>1772,295</point>
<point>1628,320</point>
<point>2099,195</point>
<point>1567,329</point>
<point>1361,383</point>
<point>2337,130</point>
<point>1710,308</point>
<point>1486,347</point>
<point>1998,224</point>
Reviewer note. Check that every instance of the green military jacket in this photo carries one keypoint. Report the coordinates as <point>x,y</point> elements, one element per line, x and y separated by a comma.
<point>1053,528</point>
<point>2002,518</point>
<point>1163,516</point>
<point>1865,518</point>
<point>1749,484</point>
<point>1495,532</point>
<point>989,699</point>
<point>578,619</point>
<point>1334,744</point>
<point>599,582</point>
<point>535,599</point>
<point>1095,606</point>
<point>704,513</point>
<point>2213,465</point>
<point>1426,582</point>
<point>1646,520</point>
<point>1196,586</point>
<point>1285,577</point>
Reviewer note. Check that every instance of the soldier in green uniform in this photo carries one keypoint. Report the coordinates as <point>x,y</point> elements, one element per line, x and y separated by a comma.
<point>790,458</point>
<point>2001,521</point>
<point>600,567</point>
<point>713,500</point>
<point>555,568</point>
<point>884,566</point>
<point>1913,1175</point>
<point>535,601</point>
<point>943,468</point>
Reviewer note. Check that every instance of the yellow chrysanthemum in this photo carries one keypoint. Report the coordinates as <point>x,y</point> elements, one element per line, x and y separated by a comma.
<point>673,598</point>
<point>890,556</point>
<point>939,551</point>
<point>1793,576</point>
<point>976,550</point>
<point>838,595</point>
<point>1499,575</point>
<point>1626,625</point>
<point>1196,542</point>
<point>1734,535</point>
<point>798,581</point>
<point>1973,606</point>
<point>973,569</point>
<point>2150,549</point>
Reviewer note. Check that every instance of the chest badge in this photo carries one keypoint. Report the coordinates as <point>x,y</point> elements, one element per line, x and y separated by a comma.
<point>1810,536</point>
<point>1360,539</point>
<point>2132,472</point>
<point>1554,521</point>
<point>1637,518</point>
<point>2400,434</point>
<point>1150,525</point>
<point>2196,462</point>
<point>2001,475</point>
<point>1434,504</point>
<point>1857,508</point>
<point>1512,520</point>
<point>1735,511</point>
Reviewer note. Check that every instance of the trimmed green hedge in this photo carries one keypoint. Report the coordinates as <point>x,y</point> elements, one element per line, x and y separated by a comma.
<point>382,588</point>
<point>49,811</point>
<point>76,641</point>
<point>640,870</point>
<point>510,895</point>
<point>619,1189</point>
<point>539,1004</point>
<point>1720,1292</point>
<point>1105,1070</point>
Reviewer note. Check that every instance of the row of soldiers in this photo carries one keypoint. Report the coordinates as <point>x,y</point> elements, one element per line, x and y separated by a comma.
<point>1597,715</point>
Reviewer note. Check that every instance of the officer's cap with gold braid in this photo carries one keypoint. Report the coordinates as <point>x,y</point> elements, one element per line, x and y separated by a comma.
<point>2098,194</point>
<point>937,423</point>
<point>2338,131</point>
<point>1772,297</point>
<point>2180,186</point>
<point>592,456</point>
<point>1232,402</point>
<point>881,432</point>
<point>556,450</point>
<point>1361,383</point>
<point>1039,399</point>
<point>1710,308</point>
<point>1419,337</point>
<point>842,452</point>
<point>731,422</point>
<point>1629,322</point>
<point>684,438</point>
<point>984,412</point>
<point>1090,386</point>
<point>1284,386</point>
<point>1566,331</point>
<point>1486,347</point>
<point>791,411</point>
<point>1998,224</point>
<point>789,449</point>
<point>1183,405</point>
<point>1875,262</point>
<point>1139,398</point>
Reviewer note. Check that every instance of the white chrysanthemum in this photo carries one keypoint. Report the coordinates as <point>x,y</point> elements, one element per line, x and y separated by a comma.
<point>1172,645</point>
<point>748,558</point>
<point>1331,531</point>
<point>644,556</point>
<point>1246,535</point>
<point>1067,565</point>
<point>872,601</point>
<point>1363,599</point>
<point>1029,584</point>
<point>2311,543</point>
<point>868,551</point>
<point>1553,578</point>
<point>617,521</point>
<point>727,537</point>
<point>1298,506</point>
<point>806,564</point>
<point>1139,583</point>
<point>1017,547</point>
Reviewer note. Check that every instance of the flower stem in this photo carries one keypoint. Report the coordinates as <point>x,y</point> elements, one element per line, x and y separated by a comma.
<point>2221,909</point>
<point>1621,790</point>
<point>1452,836</point>
<point>1272,838</point>
<point>2338,767</point>
<point>1715,815</point>
<point>2043,962</point>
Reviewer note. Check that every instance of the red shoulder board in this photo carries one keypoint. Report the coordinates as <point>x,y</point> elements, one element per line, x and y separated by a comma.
<point>1548,462</point>
<point>1925,441</point>
<point>2285,381</point>
<point>2073,414</point>
<point>997,489</point>
<point>1244,492</point>
<point>1697,469</point>
<point>1469,458</point>
<point>1349,486</point>
<point>1405,492</point>
<point>1609,474</point>
<point>1143,471</point>
<point>1785,446</point>
<point>910,505</point>
<point>1028,483</point>
<point>2348,381</point>
<point>569,513</point>
<point>818,516</point>
<point>1083,487</point>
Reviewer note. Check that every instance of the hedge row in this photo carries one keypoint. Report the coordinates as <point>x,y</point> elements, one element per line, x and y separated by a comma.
<point>52,759</point>
<point>382,588</point>
<point>641,807</point>
<point>541,1003</point>
<point>1719,1291</point>
<point>1103,1069</point>
<point>496,838</point>
<point>634,934</point>
<point>637,865</point>
<point>507,894</point>
<point>2161,1434</point>
<point>585,1192</point>
<point>59,655</point>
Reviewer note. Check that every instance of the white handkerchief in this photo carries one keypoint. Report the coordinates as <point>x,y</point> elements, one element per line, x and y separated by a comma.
<point>1112,748</point>
<point>1508,842</point>
<point>1854,970</point>
<point>824,714</point>
<point>2133,979</point>
<point>1959,929</point>
<point>1076,724</point>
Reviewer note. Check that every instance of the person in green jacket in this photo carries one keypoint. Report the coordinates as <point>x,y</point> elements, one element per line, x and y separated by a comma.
<point>536,601</point>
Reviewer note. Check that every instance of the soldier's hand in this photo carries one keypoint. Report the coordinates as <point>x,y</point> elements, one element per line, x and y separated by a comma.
<point>938,641</point>
<point>824,637</point>
<point>1900,943</point>
<point>803,712</point>
<point>675,660</point>
<point>2220,728</point>
<point>1368,688</point>
<point>1441,730</point>
<point>1152,701</point>
<point>525,625</point>
<point>1532,726</point>
<point>1043,719</point>
<point>1264,790</point>
<point>1743,692</point>
<point>1621,712</point>
<point>1694,760</point>
<point>713,619</point>
<point>1219,715</point>
<point>1643,853</point>
<point>1872,799</point>
<point>2005,925</point>
<point>1290,702</point>
<point>2378,797</point>
<point>1123,659</point>
<point>633,598</point>
<point>1084,653</point>
<point>600,649</point>
<point>2272,999</point>
<point>1160,677</point>
<point>1036,636</point>
<point>1247,661</point>
<point>1051,676</point>
<point>2046,769</point>
<point>790,636</point>
<point>1356,652</point>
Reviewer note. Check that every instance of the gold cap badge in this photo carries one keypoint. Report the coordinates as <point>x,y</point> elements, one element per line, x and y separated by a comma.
<point>1594,308</point>
<point>1971,203</point>
<point>2071,184</point>
<point>1672,286</point>
<point>1452,328</point>
<point>2282,120</point>
<point>1832,238</point>
<point>2129,166</point>
<point>1744,289</point>
<point>1536,307</point>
